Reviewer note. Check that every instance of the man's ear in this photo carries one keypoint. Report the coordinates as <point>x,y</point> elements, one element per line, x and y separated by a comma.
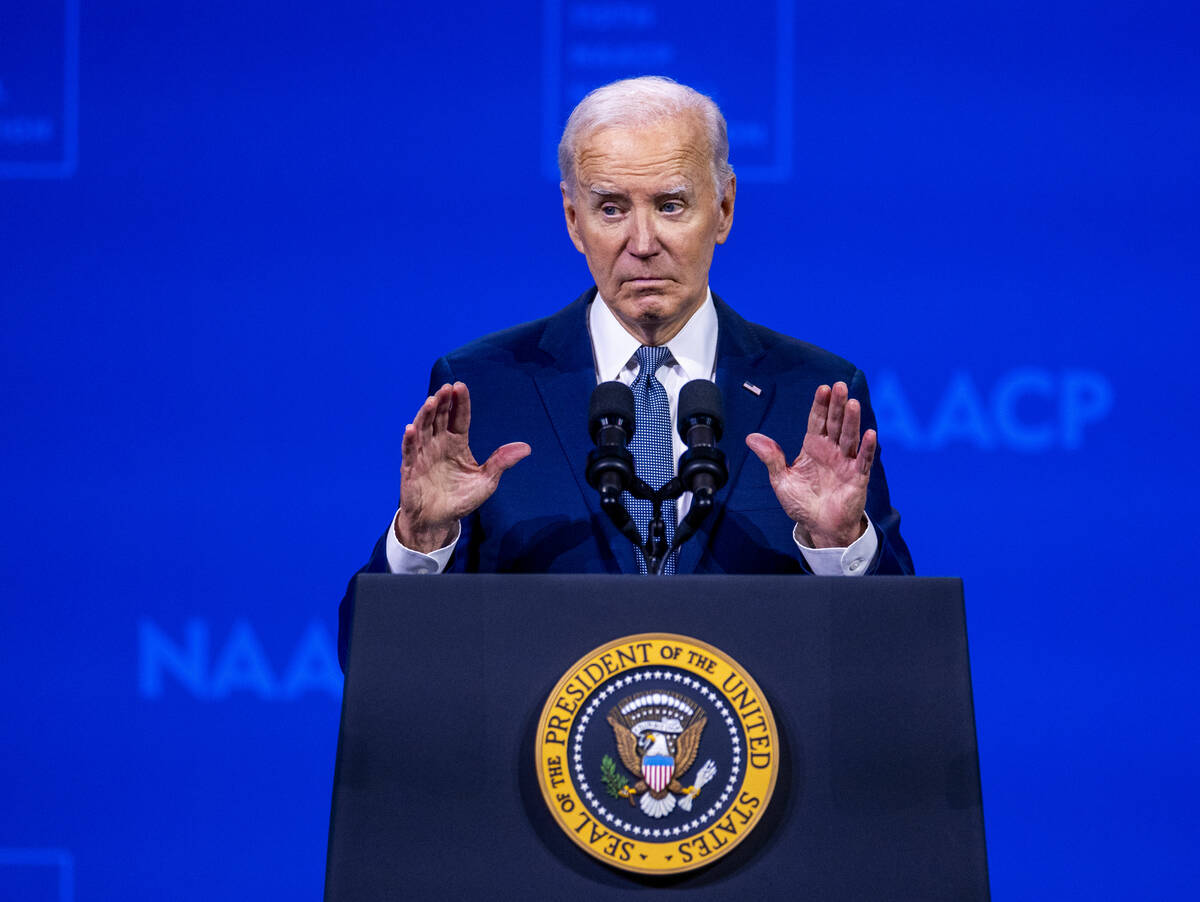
<point>571,215</point>
<point>727,210</point>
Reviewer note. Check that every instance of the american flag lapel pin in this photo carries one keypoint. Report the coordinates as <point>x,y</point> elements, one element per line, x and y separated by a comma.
<point>752,388</point>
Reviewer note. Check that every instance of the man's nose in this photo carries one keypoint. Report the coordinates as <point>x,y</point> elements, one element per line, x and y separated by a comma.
<point>643,234</point>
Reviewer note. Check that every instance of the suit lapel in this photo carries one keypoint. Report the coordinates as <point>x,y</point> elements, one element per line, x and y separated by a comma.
<point>567,381</point>
<point>565,385</point>
<point>740,358</point>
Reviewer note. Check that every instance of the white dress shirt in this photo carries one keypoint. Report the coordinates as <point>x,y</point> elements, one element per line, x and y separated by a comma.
<point>693,356</point>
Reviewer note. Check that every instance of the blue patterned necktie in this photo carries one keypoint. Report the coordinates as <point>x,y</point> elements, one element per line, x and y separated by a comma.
<point>651,447</point>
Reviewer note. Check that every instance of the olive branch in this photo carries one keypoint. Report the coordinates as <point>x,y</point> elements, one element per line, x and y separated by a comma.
<point>614,781</point>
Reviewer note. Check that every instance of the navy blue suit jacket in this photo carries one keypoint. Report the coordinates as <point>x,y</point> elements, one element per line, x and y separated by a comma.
<point>532,383</point>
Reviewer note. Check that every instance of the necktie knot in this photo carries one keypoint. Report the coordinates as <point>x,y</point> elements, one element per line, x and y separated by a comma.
<point>650,359</point>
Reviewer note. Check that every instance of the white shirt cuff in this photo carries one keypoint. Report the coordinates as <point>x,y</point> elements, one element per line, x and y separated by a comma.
<point>852,561</point>
<point>405,560</point>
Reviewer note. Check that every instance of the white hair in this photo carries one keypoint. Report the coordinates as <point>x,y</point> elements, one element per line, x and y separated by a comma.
<point>635,102</point>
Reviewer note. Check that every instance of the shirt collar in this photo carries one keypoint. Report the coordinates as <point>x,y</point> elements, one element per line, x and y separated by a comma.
<point>694,348</point>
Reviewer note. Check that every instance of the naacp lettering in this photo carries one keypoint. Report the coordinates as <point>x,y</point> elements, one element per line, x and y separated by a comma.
<point>237,666</point>
<point>1028,409</point>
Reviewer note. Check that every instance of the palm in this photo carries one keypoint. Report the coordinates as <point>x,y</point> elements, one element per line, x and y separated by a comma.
<point>440,481</point>
<point>823,488</point>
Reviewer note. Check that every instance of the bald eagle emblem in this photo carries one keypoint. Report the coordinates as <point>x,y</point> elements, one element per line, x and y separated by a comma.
<point>658,736</point>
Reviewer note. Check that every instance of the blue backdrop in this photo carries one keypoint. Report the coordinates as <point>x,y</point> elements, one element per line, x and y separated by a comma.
<point>234,236</point>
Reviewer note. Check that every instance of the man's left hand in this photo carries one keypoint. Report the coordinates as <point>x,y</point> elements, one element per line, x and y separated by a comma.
<point>825,489</point>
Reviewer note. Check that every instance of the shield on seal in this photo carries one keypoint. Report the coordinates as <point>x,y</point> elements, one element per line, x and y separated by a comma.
<point>657,771</point>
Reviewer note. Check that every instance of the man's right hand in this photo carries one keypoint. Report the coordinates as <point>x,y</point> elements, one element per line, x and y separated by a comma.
<point>440,482</point>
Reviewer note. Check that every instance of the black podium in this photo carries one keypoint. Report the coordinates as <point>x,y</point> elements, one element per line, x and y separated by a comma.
<point>436,793</point>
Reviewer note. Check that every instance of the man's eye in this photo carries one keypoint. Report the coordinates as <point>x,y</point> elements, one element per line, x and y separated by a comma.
<point>672,206</point>
<point>610,210</point>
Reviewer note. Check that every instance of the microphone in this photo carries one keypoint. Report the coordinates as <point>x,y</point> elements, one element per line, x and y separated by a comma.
<point>610,466</point>
<point>610,424</point>
<point>701,421</point>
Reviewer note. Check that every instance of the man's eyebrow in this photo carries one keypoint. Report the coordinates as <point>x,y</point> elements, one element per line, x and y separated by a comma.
<point>676,191</point>
<point>601,191</point>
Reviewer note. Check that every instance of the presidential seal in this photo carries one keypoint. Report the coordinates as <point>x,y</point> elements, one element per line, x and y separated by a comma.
<point>657,753</point>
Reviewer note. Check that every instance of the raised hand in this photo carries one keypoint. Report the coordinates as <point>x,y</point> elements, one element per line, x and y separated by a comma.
<point>825,488</point>
<point>440,481</point>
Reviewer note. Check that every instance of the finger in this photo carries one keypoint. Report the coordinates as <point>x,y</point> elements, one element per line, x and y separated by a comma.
<point>819,411</point>
<point>460,417</point>
<point>443,400</point>
<point>423,421</point>
<point>837,410</point>
<point>850,424</point>
<point>408,445</point>
<point>768,451</point>
<point>504,457</point>
<point>866,453</point>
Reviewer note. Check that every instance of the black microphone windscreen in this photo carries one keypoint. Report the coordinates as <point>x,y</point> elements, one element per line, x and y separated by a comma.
<point>701,398</point>
<point>610,401</point>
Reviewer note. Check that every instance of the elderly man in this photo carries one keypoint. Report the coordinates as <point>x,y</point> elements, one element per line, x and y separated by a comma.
<point>648,193</point>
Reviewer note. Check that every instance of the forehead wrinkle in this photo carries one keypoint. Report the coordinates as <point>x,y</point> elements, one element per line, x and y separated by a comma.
<point>675,164</point>
<point>672,165</point>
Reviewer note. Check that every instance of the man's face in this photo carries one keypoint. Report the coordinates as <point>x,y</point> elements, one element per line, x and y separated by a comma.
<point>645,213</point>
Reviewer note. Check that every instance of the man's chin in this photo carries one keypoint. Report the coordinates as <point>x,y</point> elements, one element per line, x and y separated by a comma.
<point>652,308</point>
